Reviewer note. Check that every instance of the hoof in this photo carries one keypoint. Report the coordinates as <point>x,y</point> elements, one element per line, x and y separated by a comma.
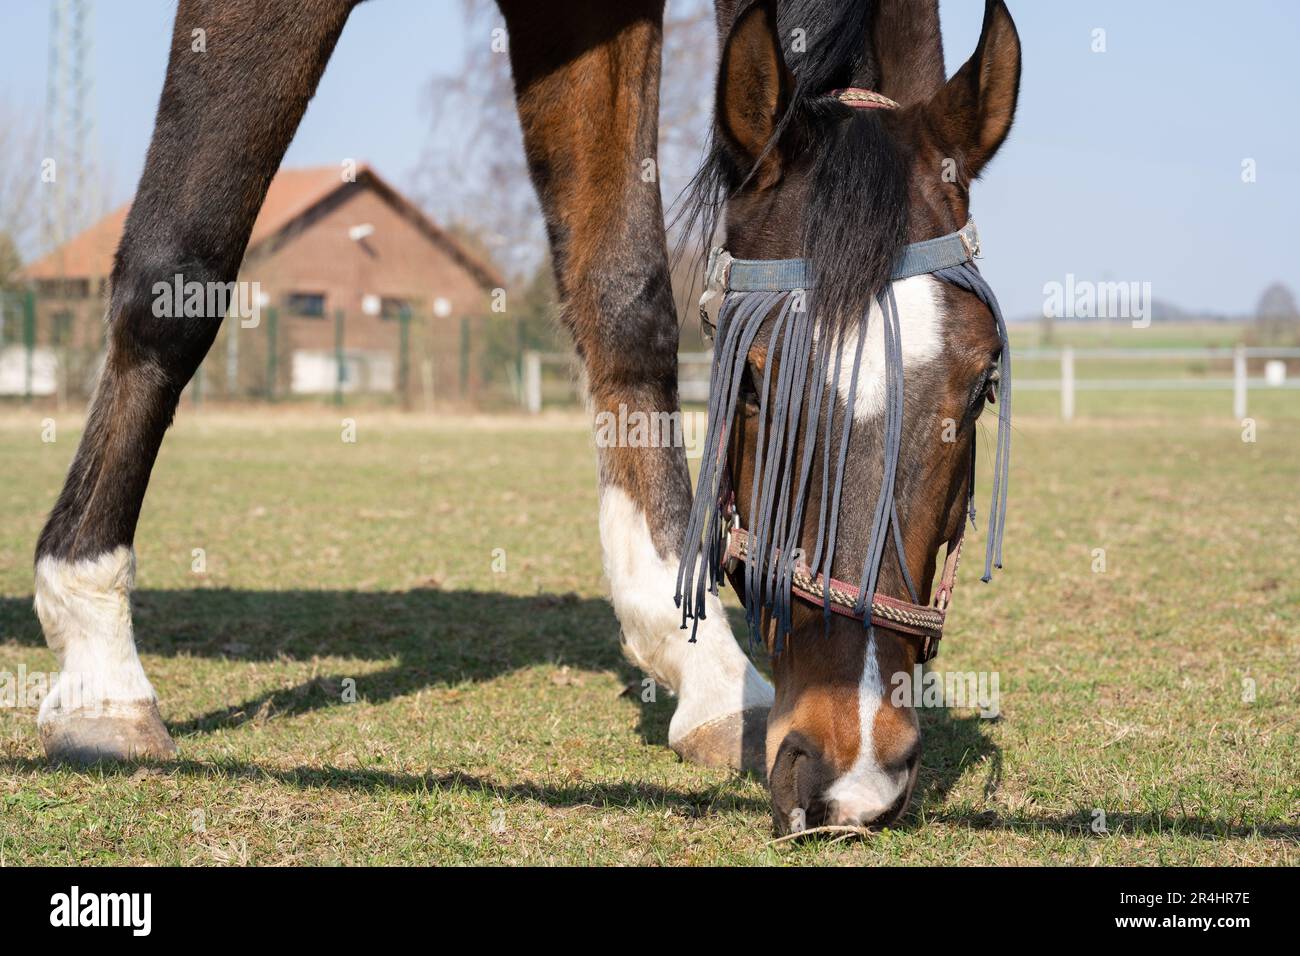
<point>738,741</point>
<point>122,732</point>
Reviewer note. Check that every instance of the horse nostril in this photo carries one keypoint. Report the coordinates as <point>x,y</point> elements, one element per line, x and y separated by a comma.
<point>800,819</point>
<point>798,783</point>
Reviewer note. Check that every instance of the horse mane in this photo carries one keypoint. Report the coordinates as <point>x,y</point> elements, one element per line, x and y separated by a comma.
<point>856,220</point>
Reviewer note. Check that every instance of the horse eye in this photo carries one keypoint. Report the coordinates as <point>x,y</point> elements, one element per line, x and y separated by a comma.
<point>988,391</point>
<point>748,390</point>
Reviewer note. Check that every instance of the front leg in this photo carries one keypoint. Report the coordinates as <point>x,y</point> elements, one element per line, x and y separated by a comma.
<point>225,119</point>
<point>587,86</point>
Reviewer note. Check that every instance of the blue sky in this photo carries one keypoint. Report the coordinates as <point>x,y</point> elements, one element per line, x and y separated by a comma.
<point>1124,165</point>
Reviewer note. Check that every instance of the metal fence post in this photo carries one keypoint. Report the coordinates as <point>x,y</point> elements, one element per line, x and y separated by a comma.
<point>1239,383</point>
<point>532,382</point>
<point>232,354</point>
<point>521,346</point>
<point>29,342</point>
<point>272,351</point>
<point>464,356</point>
<point>404,355</point>
<point>1067,384</point>
<point>426,379</point>
<point>338,357</point>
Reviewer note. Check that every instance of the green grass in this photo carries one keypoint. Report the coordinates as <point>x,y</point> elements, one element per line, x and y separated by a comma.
<point>491,724</point>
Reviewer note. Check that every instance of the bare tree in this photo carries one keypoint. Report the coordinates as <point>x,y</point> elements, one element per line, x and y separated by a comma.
<point>20,176</point>
<point>473,175</point>
<point>686,97</point>
<point>1277,318</point>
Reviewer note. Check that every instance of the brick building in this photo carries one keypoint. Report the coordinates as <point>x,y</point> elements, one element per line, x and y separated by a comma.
<point>338,262</point>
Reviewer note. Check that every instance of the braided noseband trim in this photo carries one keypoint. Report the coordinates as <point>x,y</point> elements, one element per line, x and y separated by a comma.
<point>845,598</point>
<point>864,99</point>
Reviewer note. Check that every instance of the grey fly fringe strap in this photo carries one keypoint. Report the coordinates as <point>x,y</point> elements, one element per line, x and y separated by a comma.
<point>753,293</point>
<point>967,277</point>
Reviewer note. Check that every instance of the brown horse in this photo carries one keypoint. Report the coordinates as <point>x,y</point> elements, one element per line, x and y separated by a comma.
<point>813,179</point>
<point>586,77</point>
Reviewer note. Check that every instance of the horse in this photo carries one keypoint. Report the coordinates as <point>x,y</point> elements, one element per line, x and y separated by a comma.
<point>855,349</point>
<point>800,173</point>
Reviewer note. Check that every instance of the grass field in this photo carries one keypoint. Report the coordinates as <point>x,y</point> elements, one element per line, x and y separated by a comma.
<point>491,724</point>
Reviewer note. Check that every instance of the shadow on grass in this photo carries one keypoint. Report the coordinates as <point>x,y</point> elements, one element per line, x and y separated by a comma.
<point>1122,824</point>
<point>954,742</point>
<point>431,638</point>
<point>630,795</point>
<point>438,638</point>
<point>951,743</point>
<point>695,802</point>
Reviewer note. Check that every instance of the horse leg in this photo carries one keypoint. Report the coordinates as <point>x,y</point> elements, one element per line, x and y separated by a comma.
<point>587,85</point>
<point>239,76</point>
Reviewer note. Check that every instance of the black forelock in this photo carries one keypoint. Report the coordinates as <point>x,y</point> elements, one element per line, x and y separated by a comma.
<point>855,223</point>
<point>855,220</point>
<point>833,34</point>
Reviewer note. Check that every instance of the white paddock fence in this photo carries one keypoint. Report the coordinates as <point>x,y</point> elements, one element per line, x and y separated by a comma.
<point>1239,383</point>
<point>693,373</point>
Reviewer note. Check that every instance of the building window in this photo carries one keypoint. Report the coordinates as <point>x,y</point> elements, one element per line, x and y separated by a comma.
<point>309,305</point>
<point>63,288</point>
<point>61,329</point>
<point>391,307</point>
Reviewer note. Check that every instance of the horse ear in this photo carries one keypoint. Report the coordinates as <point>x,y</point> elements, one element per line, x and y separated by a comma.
<point>974,110</point>
<point>908,47</point>
<point>754,89</point>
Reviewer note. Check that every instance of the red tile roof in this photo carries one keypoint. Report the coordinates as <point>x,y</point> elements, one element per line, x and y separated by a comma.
<point>87,255</point>
<point>293,192</point>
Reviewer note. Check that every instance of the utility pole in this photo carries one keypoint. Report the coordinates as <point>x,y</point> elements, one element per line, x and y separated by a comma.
<point>69,124</point>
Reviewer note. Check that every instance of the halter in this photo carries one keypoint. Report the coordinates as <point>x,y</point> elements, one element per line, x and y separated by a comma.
<point>750,293</point>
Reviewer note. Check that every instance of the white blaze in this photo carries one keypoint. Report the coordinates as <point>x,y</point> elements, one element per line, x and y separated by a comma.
<point>921,323</point>
<point>867,790</point>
